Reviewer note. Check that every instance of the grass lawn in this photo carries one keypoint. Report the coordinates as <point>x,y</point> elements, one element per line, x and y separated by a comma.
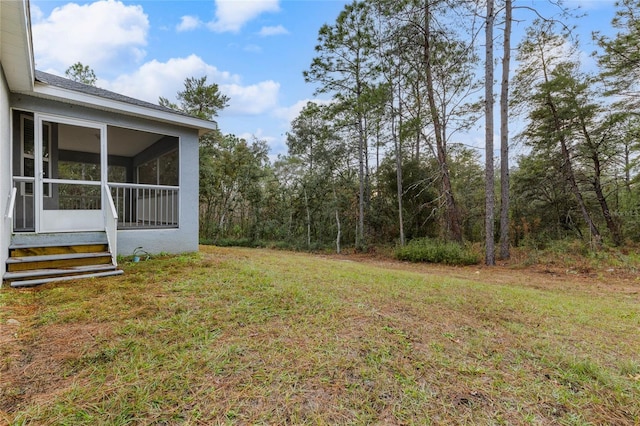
<point>242,336</point>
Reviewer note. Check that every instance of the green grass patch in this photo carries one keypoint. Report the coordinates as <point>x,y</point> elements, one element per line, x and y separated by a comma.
<point>254,336</point>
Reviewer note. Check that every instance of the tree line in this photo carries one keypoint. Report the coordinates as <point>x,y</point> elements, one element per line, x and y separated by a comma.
<point>387,159</point>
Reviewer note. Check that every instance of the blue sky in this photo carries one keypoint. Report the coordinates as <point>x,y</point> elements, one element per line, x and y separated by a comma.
<point>256,50</point>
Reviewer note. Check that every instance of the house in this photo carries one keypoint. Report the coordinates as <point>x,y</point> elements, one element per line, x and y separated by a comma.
<point>86,174</point>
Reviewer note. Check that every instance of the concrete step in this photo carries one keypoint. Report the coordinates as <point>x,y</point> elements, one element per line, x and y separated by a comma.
<point>57,239</point>
<point>50,273</point>
<point>39,281</point>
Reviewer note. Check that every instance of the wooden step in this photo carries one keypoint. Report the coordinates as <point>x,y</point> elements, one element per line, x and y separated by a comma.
<point>39,281</point>
<point>57,261</point>
<point>50,250</point>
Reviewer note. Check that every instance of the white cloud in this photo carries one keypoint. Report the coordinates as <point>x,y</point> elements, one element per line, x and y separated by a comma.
<point>254,99</point>
<point>36,13</point>
<point>272,31</point>
<point>166,79</point>
<point>154,79</point>
<point>99,34</point>
<point>231,15</point>
<point>188,23</point>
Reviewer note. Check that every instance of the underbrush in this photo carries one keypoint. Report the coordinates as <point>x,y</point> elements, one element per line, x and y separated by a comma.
<point>578,255</point>
<point>436,251</point>
<point>569,254</point>
<point>270,244</point>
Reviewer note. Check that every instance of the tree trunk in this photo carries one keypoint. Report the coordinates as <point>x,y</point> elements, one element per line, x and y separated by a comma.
<point>221,224</point>
<point>453,216</point>
<point>361,183</point>
<point>627,166</point>
<point>338,224</point>
<point>306,207</point>
<point>504,135</point>
<point>604,206</point>
<point>488,116</point>
<point>362,178</point>
<point>418,114</point>
<point>208,232</point>
<point>224,209</point>
<point>398,148</point>
<point>367,180</point>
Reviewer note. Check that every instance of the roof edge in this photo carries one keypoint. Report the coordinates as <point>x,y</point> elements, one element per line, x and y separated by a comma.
<point>47,91</point>
<point>21,74</point>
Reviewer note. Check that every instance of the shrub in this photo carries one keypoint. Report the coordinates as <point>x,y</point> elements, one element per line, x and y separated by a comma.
<point>435,251</point>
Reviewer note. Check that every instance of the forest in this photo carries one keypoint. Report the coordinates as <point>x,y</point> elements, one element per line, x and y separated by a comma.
<point>387,161</point>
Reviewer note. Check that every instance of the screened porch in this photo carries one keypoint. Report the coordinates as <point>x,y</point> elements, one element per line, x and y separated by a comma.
<point>66,173</point>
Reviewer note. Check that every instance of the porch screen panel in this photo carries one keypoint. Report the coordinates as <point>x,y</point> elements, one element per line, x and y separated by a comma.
<point>143,176</point>
<point>168,169</point>
<point>148,173</point>
<point>76,180</point>
<point>157,203</point>
<point>74,196</point>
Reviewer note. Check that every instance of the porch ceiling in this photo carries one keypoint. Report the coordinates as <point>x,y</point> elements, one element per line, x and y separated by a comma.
<point>129,142</point>
<point>120,141</point>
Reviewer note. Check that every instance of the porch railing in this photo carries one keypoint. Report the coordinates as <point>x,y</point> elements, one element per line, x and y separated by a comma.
<point>136,206</point>
<point>8,214</point>
<point>111,225</point>
<point>145,206</point>
<point>23,212</point>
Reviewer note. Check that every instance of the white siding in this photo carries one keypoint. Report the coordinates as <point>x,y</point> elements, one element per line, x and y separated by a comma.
<point>5,170</point>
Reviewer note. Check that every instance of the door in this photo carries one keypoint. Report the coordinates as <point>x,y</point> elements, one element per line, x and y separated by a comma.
<point>71,173</point>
